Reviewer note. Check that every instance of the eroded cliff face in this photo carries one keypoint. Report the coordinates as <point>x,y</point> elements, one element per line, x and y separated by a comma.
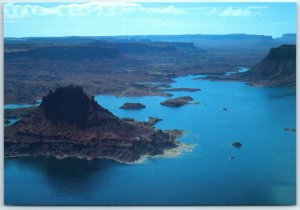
<point>277,69</point>
<point>68,123</point>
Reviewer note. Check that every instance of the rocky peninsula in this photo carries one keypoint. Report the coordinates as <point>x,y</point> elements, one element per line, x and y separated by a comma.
<point>69,123</point>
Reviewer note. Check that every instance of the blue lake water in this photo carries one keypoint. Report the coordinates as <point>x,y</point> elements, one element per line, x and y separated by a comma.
<point>263,171</point>
<point>19,106</point>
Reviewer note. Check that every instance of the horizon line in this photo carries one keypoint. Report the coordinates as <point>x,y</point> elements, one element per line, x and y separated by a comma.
<point>11,37</point>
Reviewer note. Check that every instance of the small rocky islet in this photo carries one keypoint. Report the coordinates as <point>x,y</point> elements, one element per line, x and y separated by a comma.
<point>69,123</point>
<point>290,129</point>
<point>178,102</point>
<point>132,106</point>
<point>237,144</point>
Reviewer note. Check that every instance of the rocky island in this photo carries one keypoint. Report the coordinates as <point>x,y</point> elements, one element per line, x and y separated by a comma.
<point>177,102</point>
<point>133,106</point>
<point>69,123</point>
<point>290,129</point>
<point>237,144</point>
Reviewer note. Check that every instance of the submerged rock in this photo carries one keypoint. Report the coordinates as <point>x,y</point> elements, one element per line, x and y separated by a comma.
<point>69,123</point>
<point>225,109</point>
<point>177,102</point>
<point>290,129</point>
<point>237,144</point>
<point>133,106</point>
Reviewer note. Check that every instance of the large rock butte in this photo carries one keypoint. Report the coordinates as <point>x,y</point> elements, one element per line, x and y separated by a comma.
<point>69,123</point>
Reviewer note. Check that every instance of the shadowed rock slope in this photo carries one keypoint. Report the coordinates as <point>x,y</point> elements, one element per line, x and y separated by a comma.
<point>277,69</point>
<point>69,123</point>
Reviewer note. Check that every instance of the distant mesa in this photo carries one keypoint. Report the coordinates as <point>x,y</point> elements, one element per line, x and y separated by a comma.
<point>237,144</point>
<point>290,129</point>
<point>133,106</point>
<point>66,53</point>
<point>178,102</point>
<point>69,123</point>
<point>287,39</point>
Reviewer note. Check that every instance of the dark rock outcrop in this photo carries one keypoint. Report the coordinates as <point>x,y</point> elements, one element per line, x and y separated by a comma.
<point>177,102</point>
<point>153,120</point>
<point>68,123</point>
<point>133,106</point>
<point>290,129</point>
<point>237,144</point>
<point>277,69</point>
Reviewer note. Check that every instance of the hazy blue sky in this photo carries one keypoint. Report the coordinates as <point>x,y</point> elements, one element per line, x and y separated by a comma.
<point>111,18</point>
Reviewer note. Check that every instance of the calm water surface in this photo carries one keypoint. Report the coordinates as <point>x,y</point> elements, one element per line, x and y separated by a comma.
<point>261,173</point>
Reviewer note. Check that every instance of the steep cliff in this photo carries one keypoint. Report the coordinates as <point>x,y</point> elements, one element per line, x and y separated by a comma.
<point>278,68</point>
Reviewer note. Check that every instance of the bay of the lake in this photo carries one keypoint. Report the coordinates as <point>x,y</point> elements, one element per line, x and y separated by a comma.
<point>261,172</point>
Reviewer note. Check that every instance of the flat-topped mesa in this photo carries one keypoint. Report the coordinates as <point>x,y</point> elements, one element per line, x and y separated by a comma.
<point>69,123</point>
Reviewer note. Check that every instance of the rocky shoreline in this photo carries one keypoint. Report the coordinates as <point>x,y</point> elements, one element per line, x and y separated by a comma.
<point>172,152</point>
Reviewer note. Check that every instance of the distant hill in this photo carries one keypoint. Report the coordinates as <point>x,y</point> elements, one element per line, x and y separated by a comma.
<point>287,39</point>
<point>277,69</point>
<point>232,41</point>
